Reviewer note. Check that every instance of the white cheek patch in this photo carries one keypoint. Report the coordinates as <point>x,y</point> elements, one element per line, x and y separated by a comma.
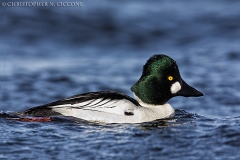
<point>175,87</point>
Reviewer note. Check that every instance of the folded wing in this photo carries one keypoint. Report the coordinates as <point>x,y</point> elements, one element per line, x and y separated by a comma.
<point>104,102</point>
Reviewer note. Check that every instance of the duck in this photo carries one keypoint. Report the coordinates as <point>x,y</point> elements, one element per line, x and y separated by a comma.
<point>159,82</point>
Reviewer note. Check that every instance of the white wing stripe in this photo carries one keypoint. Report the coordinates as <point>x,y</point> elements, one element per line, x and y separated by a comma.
<point>93,104</point>
<point>82,104</point>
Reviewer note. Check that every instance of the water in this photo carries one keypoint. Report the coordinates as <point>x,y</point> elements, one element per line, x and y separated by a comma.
<point>48,53</point>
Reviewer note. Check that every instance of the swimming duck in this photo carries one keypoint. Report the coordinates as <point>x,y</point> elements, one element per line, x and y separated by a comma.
<point>160,81</point>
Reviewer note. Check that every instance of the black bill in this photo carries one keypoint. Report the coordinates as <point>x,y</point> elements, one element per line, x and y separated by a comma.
<point>188,91</point>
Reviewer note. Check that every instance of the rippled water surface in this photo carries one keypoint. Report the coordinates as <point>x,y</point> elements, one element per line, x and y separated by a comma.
<point>49,53</point>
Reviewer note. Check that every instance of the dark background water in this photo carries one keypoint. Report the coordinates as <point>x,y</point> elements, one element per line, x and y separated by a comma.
<point>48,53</point>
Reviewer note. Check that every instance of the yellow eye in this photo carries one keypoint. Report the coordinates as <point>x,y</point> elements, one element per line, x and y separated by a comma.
<point>170,78</point>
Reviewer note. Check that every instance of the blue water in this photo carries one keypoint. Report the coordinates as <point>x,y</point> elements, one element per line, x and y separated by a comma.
<point>49,53</point>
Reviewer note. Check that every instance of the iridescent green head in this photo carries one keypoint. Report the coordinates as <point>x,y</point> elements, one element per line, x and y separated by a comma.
<point>161,81</point>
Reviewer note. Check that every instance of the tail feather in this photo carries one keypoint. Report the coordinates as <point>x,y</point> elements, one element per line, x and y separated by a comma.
<point>41,111</point>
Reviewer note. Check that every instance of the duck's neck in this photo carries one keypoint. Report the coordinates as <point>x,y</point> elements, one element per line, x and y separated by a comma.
<point>142,103</point>
<point>152,112</point>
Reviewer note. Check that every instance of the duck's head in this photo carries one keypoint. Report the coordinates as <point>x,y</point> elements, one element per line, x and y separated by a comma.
<point>160,81</point>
